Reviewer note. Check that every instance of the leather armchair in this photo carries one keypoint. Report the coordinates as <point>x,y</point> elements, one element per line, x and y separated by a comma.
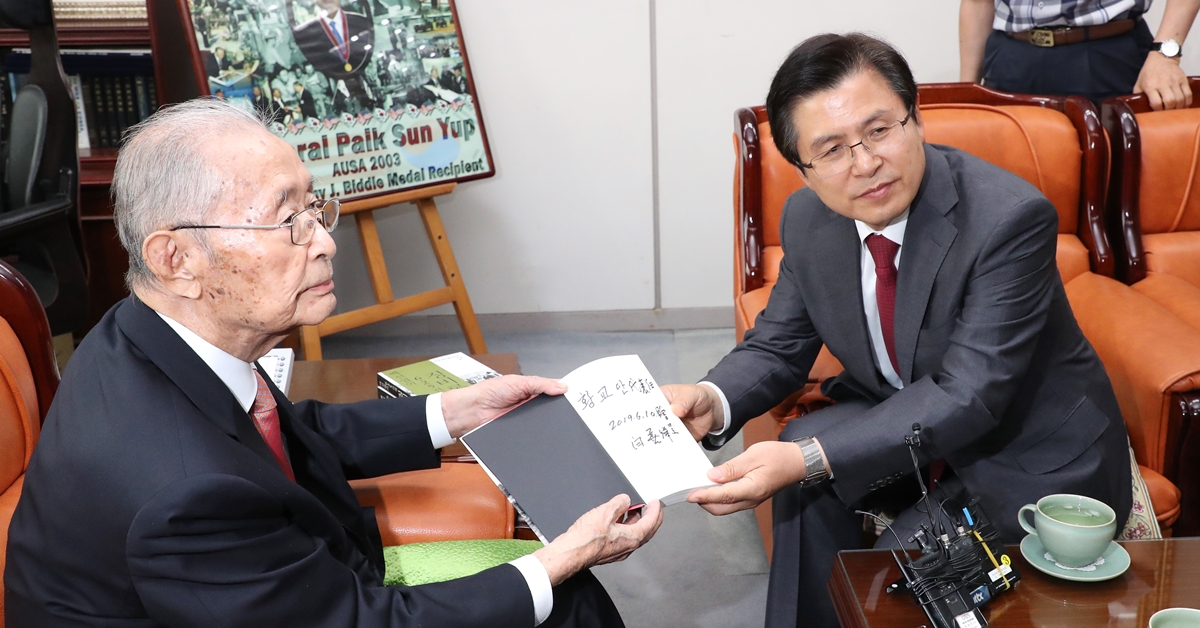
<point>455,502</point>
<point>28,377</point>
<point>1058,145</point>
<point>1154,223</point>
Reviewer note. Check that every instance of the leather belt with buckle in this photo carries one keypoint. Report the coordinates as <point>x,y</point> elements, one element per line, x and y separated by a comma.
<point>1050,37</point>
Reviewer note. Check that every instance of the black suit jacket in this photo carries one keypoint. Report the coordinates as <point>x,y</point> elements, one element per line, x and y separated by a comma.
<point>307,108</point>
<point>995,368</point>
<point>322,52</point>
<point>151,500</point>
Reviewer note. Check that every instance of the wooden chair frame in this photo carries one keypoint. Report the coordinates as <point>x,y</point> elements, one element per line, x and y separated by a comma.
<point>19,305</point>
<point>1118,115</point>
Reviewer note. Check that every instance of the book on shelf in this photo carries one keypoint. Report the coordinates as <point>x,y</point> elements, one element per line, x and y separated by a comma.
<point>613,432</point>
<point>81,126</point>
<point>113,89</point>
<point>447,372</point>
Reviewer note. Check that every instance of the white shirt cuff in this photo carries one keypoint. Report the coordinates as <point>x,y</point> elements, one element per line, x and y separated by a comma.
<point>539,586</point>
<point>724,408</point>
<point>439,434</point>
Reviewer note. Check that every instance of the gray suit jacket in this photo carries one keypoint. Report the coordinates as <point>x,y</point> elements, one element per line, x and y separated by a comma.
<point>995,368</point>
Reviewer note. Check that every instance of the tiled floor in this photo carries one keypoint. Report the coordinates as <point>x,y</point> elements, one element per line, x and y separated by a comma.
<point>699,570</point>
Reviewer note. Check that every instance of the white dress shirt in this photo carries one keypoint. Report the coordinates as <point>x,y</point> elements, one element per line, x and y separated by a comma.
<point>238,376</point>
<point>895,233</point>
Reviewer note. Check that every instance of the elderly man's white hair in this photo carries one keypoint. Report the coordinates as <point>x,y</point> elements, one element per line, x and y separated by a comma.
<point>165,176</point>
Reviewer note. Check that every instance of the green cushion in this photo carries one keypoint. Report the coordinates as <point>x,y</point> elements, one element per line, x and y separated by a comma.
<point>423,563</point>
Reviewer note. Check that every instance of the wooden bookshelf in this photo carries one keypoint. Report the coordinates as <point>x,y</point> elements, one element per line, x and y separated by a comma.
<point>84,37</point>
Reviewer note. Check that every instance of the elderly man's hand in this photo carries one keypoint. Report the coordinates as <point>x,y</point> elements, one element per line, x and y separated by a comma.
<point>598,538</point>
<point>751,477</point>
<point>697,406</point>
<point>467,408</point>
<point>1164,83</point>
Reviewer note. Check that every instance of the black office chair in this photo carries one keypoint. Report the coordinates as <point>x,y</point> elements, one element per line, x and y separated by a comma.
<point>39,221</point>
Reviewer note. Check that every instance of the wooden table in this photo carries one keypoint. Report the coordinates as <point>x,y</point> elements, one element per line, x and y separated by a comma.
<point>347,381</point>
<point>1163,574</point>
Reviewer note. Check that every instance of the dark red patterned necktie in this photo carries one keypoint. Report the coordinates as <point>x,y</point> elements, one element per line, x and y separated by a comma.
<point>266,419</point>
<point>884,251</point>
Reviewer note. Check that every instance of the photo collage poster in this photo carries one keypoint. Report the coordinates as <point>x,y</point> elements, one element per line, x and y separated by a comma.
<point>375,95</point>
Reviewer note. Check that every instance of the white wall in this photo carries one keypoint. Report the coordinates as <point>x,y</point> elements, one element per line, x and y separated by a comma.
<point>565,89</point>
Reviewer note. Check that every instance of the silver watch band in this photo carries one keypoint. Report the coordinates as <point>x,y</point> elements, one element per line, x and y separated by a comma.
<point>814,464</point>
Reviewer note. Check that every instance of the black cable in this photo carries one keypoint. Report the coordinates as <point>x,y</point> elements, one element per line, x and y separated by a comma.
<point>941,529</point>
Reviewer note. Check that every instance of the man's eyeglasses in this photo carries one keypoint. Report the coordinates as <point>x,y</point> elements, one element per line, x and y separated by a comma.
<point>303,224</point>
<point>880,139</point>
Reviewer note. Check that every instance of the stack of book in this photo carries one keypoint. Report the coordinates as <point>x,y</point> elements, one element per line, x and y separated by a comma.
<point>99,13</point>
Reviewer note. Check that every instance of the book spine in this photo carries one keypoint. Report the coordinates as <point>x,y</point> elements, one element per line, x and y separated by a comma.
<point>81,128</point>
<point>89,109</point>
<point>110,111</point>
<point>389,389</point>
<point>5,107</point>
<point>143,103</point>
<point>100,100</point>
<point>128,105</point>
<point>152,93</point>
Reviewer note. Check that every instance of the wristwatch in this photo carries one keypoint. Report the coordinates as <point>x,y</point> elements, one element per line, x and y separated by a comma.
<point>814,464</point>
<point>1169,48</point>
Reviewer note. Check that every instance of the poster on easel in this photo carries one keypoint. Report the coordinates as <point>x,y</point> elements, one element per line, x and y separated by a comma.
<point>375,95</point>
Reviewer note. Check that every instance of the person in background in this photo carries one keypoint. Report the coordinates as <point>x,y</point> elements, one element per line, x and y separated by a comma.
<point>1092,48</point>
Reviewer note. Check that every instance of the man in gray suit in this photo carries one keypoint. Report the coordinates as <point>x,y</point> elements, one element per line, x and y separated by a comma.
<point>931,275</point>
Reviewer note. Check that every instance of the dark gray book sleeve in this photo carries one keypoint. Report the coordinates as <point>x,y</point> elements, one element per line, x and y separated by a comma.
<point>548,461</point>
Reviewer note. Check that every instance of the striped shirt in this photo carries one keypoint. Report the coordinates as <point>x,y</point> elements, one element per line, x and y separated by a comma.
<point>1015,16</point>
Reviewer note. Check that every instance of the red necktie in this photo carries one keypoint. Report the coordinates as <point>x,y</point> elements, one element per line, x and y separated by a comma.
<point>884,251</point>
<point>266,419</point>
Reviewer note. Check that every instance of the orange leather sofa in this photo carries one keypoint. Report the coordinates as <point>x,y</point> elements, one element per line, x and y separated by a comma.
<point>28,379</point>
<point>1154,222</point>
<point>1057,145</point>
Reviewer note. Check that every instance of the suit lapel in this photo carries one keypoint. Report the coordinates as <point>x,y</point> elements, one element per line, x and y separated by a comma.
<point>199,383</point>
<point>317,467</point>
<point>318,471</point>
<point>927,239</point>
<point>836,259</point>
<point>208,393</point>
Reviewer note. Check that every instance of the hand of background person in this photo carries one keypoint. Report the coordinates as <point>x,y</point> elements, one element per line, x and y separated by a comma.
<point>598,538</point>
<point>697,406</point>
<point>751,477</point>
<point>1164,83</point>
<point>467,408</point>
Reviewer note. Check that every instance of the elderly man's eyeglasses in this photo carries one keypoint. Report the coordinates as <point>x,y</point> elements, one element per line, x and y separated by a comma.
<point>880,139</point>
<point>303,224</point>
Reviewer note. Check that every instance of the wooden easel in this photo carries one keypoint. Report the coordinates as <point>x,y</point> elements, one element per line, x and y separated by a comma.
<point>386,305</point>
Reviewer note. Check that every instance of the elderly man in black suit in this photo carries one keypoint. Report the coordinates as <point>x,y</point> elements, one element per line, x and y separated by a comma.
<point>930,275</point>
<point>174,485</point>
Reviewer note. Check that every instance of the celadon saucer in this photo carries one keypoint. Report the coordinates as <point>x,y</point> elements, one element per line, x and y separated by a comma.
<point>1112,563</point>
